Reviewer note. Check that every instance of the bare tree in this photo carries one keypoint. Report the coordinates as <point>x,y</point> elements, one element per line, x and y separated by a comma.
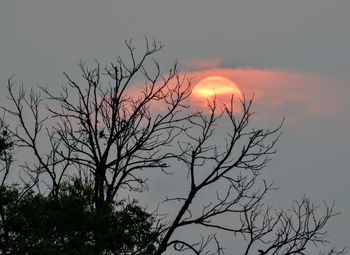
<point>232,171</point>
<point>105,129</point>
<point>101,128</point>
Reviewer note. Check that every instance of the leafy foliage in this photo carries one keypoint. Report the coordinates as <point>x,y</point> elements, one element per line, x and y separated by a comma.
<point>6,146</point>
<point>69,224</point>
<point>5,143</point>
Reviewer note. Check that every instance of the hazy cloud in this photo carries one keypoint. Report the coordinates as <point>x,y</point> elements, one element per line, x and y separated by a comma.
<point>277,92</point>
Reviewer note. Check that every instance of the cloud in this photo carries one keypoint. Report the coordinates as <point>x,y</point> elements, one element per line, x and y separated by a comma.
<point>312,104</point>
<point>204,63</point>
<point>280,92</point>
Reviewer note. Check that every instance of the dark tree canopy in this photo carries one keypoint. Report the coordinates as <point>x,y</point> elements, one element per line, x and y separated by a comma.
<point>68,224</point>
<point>104,134</point>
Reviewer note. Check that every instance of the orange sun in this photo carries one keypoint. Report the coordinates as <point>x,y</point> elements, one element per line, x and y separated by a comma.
<point>216,86</point>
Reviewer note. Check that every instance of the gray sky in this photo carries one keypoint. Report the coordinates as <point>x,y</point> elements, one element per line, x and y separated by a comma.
<point>294,54</point>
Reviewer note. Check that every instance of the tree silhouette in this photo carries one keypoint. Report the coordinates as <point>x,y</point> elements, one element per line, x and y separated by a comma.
<point>6,145</point>
<point>37,224</point>
<point>108,131</point>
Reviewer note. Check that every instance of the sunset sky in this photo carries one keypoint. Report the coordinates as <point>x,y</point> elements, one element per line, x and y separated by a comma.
<point>294,56</point>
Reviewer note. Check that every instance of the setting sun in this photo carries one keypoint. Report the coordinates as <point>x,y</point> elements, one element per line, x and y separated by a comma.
<point>220,87</point>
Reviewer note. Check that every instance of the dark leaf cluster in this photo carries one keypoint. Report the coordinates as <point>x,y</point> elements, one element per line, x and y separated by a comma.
<point>68,224</point>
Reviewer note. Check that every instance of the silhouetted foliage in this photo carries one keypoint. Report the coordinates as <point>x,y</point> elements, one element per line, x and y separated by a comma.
<point>113,136</point>
<point>69,224</point>
<point>6,145</point>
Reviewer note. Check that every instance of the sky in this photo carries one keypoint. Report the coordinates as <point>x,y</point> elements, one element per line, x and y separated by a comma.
<point>293,55</point>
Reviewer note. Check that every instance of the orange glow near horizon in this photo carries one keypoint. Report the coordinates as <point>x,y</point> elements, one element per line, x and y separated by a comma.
<point>216,86</point>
